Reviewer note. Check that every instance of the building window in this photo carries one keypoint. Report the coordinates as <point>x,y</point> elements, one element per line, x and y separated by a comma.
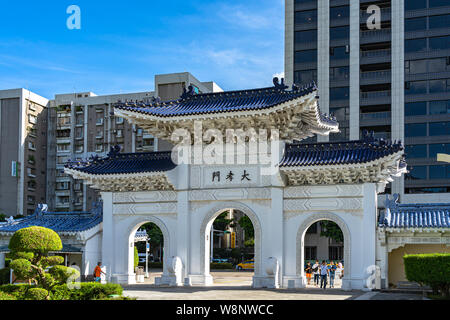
<point>306,56</point>
<point>438,3</point>
<point>306,76</point>
<point>62,186</point>
<point>339,12</point>
<point>62,147</point>
<point>440,43</point>
<point>32,119</point>
<point>30,199</point>
<point>339,73</point>
<point>99,121</point>
<point>310,253</point>
<point>99,147</point>
<point>139,132</point>
<point>62,160</point>
<point>415,45</point>
<point>437,22</point>
<point>31,172</point>
<point>338,53</point>
<point>31,146</point>
<point>119,133</point>
<point>416,151</point>
<point>416,87</point>
<point>440,172</point>
<point>440,86</point>
<point>415,24</point>
<point>306,17</point>
<point>416,130</point>
<point>338,33</point>
<point>339,93</point>
<point>335,253</point>
<point>306,37</point>
<point>415,4</point>
<point>439,148</point>
<point>439,128</point>
<point>416,173</point>
<point>79,149</point>
<point>416,109</point>
<point>119,120</point>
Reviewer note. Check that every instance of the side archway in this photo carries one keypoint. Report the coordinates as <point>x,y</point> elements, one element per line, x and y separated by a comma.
<point>134,226</point>
<point>208,220</point>
<point>308,222</point>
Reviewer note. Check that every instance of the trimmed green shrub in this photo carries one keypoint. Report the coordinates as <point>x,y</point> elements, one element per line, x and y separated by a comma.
<point>36,294</point>
<point>429,269</point>
<point>221,266</point>
<point>87,291</point>
<point>61,274</point>
<point>18,291</point>
<point>29,249</point>
<point>35,239</point>
<point>5,296</point>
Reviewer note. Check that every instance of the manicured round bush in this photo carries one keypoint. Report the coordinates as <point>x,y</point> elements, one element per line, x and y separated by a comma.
<point>35,239</point>
<point>22,268</point>
<point>36,294</point>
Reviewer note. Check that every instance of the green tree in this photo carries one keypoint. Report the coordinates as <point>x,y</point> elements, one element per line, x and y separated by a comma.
<point>330,229</point>
<point>246,224</point>
<point>222,222</point>
<point>31,262</point>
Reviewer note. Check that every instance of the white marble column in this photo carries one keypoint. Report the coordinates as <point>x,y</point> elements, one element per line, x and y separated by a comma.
<point>108,235</point>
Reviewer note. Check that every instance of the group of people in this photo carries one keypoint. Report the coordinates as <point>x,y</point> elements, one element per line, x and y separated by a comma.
<point>323,271</point>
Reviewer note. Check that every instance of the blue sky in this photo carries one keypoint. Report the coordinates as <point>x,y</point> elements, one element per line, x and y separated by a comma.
<point>123,44</point>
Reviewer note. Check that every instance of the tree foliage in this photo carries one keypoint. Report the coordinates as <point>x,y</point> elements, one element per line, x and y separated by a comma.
<point>222,222</point>
<point>331,230</point>
<point>246,224</point>
<point>29,249</point>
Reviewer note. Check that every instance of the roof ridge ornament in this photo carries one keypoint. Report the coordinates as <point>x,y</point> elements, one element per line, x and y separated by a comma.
<point>392,203</point>
<point>114,151</point>
<point>187,93</point>
<point>41,209</point>
<point>278,85</point>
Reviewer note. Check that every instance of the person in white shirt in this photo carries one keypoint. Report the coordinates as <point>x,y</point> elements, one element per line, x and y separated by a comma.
<point>316,270</point>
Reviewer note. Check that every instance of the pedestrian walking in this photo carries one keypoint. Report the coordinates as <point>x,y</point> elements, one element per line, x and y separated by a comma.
<point>316,271</point>
<point>332,273</point>
<point>308,271</point>
<point>98,272</point>
<point>323,275</point>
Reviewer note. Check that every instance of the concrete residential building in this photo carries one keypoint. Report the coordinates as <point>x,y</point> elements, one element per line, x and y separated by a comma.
<point>23,148</point>
<point>393,80</point>
<point>82,125</point>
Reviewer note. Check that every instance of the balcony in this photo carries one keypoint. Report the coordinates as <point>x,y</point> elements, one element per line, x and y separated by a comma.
<point>371,36</point>
<point>375,97</point>
<point>375,77</point>
<point>375,118</point>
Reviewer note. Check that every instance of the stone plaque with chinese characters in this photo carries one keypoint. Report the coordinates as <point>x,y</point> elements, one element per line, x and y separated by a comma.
<point>231,176</point>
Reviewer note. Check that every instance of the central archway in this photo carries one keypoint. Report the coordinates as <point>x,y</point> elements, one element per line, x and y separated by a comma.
<point>310,219</point>
<point>205,229</point>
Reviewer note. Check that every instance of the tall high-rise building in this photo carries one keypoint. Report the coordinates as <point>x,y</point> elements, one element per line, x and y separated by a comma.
<point>82,125</point>
<point>23,148</point>
<point>381,66</point>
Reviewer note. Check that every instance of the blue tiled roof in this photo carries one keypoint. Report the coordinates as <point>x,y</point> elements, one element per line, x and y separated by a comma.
<point>416,216</point>
<point>338,153</point>
<point>120,163</point>
<point>230,101</point>
<point>59,221</point>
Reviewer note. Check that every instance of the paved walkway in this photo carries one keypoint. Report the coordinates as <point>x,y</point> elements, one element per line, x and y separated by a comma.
<point>236,285</point>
